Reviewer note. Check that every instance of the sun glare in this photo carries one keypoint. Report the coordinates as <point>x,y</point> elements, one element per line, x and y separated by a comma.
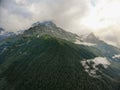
<point>102,16</point>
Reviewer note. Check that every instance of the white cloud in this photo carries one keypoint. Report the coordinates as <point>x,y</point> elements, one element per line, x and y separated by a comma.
<point>101,60</point>
<point>104,14</point>
<point>97,61</point>
<point>25,12</point>
<point>116,56</point>
<point>79,16</point>
<point>84,43</point>
<point>104,20</point>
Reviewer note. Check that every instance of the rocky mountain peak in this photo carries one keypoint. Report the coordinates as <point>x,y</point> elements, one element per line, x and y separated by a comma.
<point>45,23</point>
<point>91,38</point>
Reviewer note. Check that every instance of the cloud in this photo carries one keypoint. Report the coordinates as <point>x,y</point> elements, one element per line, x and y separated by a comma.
<point>104,20</point>
<point>79,16</point>
<point>18,14</point>
<point>95,63</point>
<point>110,35</point>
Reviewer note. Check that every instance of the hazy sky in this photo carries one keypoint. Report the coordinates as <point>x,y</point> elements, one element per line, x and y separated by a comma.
<point>79,16</point>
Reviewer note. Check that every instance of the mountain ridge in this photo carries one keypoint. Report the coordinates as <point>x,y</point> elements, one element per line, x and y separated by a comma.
<point>48,56</point>
<point>52,61</point>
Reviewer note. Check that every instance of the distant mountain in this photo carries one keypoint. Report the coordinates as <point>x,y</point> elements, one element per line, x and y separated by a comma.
<point>107,50</point>
<point>91,38</point>
<point>46,57</point>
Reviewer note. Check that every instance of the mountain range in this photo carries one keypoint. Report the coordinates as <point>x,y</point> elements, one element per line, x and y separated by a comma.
<point>46,57</point>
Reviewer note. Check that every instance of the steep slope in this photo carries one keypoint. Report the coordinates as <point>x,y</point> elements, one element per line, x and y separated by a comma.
<point>45,57</point>
<point>48,27</point>
<point>48,63</point>
<point>6,41</point>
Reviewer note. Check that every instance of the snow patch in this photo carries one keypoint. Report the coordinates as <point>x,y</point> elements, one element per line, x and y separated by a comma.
<point>91,65</point>
<point>116,56</point>
<point>101,60</point>
<point>91,72</point>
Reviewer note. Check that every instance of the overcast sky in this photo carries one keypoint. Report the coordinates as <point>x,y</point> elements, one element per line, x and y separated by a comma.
<point>79,16</point>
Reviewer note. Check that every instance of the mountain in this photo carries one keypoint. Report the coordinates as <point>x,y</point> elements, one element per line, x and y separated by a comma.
<point>107,50</point>
<point>48,63</point>
<point>48,27</point>
<point>45,57</point>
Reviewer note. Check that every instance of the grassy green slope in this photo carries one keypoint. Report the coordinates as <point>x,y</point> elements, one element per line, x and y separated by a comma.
<point>47,63</point>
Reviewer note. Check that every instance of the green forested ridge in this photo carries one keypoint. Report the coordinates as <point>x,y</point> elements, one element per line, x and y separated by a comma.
<point>48,63</point>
